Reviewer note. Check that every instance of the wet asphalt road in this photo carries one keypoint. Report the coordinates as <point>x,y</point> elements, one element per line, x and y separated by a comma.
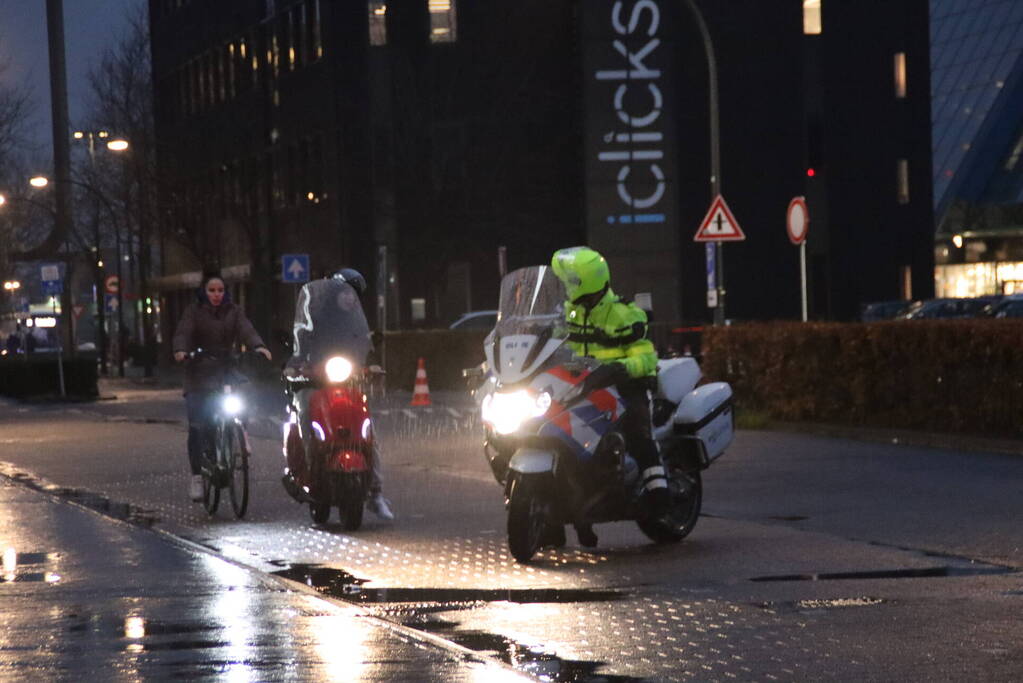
<point>817,559</point>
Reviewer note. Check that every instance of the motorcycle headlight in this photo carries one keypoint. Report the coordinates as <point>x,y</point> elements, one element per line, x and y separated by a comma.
<point>338,369</point>
<point>232,405</point>
<point>507,411</point>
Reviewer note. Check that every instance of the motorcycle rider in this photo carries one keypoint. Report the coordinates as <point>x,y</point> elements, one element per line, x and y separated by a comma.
<point>603,326</point>
<point>316,341</point>
<point>215,324</point>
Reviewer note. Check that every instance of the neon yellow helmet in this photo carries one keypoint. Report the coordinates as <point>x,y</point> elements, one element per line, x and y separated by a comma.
<point>583,271</point>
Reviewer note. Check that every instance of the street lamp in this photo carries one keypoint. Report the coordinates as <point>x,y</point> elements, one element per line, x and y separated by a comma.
<point>116,145</point>
<point>39,181</point>
<point>11,285</point>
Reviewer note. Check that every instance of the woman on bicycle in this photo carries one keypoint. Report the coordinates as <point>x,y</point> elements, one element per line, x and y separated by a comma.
<point>216,326</point>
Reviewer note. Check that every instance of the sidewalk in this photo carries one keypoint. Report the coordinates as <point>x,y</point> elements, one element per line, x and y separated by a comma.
<point>86,597</point>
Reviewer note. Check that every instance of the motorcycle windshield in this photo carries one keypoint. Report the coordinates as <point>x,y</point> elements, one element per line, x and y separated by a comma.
<point>532,302</point>
<point>329,321</point>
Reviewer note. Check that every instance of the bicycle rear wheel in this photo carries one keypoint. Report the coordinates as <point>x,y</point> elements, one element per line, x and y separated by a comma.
<point>236,448</point>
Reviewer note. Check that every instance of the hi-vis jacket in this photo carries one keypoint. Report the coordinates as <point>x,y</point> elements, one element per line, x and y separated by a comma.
<point>612,331</point>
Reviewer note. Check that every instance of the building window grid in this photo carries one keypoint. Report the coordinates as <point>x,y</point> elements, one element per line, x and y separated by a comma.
<point>443,28</point>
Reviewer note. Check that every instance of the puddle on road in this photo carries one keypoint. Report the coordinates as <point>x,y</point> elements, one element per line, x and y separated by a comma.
<point>419,602</point>
<point>340,584</point>
<point>533,660</point>
<point>916,573</point>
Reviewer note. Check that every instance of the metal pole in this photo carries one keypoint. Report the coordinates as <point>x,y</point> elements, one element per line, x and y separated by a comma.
<point>60,353</point>
<point>61,144</point>
<point>802,274</point>
<point>715,149</point>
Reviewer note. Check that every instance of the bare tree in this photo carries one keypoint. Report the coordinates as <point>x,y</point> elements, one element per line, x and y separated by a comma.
<point>124,185</point>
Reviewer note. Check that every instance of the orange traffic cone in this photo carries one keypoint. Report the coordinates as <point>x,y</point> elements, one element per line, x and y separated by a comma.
<point>421,393</point>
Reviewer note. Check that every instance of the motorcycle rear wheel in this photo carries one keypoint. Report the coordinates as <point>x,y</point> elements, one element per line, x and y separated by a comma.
<point>686,490</point>
<point>235,446</point>
<point>350,513</point>
<point>527,519</point>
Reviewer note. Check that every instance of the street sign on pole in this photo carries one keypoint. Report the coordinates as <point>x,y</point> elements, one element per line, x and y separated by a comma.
<point>797,223</point>
<point>49,273</point>
<point>295,268</point>
<point>111,284</point>
<point>797,220</point>
<point>712,279</point>
<point>719,225</point>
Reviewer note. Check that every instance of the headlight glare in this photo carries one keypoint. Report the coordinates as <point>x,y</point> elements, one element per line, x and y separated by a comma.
<point>232,404</point>
<point>507,411</point>
<point>338,369</point>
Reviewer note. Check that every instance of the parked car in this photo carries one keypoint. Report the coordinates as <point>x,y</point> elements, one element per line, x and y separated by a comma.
<point>946,308</point>
<point>884,310</point>
<point>1010,306</point>
<point>475,320</point>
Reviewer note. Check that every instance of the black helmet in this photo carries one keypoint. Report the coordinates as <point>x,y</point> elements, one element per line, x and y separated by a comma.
<point>352,277</point>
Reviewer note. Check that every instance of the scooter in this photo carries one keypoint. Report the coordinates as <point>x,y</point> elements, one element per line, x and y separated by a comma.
<point>553,427</point>
<point>325,381</point>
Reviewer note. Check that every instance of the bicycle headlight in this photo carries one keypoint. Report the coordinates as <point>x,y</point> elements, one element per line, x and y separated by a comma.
<point>232,405</point>
<point>507,411</point>
<point>338,369</point>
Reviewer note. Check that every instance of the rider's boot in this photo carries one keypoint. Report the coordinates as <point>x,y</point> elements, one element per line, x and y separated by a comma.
<point>379,506</point>
<point>195,488</point>
<point>587,537</point>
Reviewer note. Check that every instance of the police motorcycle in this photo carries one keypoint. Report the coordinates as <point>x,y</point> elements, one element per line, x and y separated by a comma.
<point>326,379</point>
<point>553,427</point>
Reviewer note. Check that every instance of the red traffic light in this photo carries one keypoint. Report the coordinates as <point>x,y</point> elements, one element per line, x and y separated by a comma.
<point>810,172</point>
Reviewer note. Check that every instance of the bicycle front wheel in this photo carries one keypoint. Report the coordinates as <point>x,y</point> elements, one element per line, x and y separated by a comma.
<point>236,447</point>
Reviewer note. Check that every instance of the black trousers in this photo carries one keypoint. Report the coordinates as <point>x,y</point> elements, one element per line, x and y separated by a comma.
<point>637,425</point>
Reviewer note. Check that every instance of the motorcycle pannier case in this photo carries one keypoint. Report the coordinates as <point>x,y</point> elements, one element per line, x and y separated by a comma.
<point>706,414</point>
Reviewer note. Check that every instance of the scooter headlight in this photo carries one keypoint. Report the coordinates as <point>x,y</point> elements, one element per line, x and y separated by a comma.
<point>338,369</point>
<point>232,405</point>
<point>507,411</point>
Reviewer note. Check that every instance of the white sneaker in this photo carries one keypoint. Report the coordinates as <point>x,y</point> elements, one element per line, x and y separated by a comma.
<point>377,504</point>
<point>195,488</point>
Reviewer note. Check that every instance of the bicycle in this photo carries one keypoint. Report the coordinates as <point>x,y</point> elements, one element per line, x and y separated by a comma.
<point>225,447</point>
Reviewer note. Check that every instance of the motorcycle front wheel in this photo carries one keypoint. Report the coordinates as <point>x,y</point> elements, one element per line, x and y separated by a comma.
<point>527,518</point>
<point>686,489</point>
<point>236,448</point>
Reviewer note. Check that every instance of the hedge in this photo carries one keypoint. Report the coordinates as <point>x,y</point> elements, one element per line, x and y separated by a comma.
<point>943,375</point>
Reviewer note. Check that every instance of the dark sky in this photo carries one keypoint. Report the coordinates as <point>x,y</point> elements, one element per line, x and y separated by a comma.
<point>89,26</point>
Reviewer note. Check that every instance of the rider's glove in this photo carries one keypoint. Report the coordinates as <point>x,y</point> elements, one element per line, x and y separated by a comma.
<point>606,375</point>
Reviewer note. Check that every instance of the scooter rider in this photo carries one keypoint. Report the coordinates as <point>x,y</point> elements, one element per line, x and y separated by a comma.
<point>316,341</point>
<point>603,326</point>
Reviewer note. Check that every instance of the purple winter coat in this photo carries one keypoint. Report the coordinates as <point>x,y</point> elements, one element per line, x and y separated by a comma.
<point>217,331</point>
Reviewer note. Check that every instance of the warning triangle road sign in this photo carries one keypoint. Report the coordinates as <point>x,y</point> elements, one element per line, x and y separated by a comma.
<point>719,225</point>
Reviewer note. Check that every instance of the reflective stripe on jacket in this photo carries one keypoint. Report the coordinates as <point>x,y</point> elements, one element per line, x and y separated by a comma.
<point>612,331</point>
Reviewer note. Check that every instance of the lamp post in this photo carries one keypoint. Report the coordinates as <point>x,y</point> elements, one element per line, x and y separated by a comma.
<point>715,149</point>
<point>116,145</point>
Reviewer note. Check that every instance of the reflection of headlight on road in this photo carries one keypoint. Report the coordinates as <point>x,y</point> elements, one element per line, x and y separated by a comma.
<point>507,411</point>
<point>232,404</point>
<point>338,369</point>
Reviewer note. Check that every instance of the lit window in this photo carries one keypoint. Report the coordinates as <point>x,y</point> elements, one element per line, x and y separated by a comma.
<point>377,23</point>
<point>442,21</point>
<point>812,17</point>
<point>900,75</point>
<point>902,174</point>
